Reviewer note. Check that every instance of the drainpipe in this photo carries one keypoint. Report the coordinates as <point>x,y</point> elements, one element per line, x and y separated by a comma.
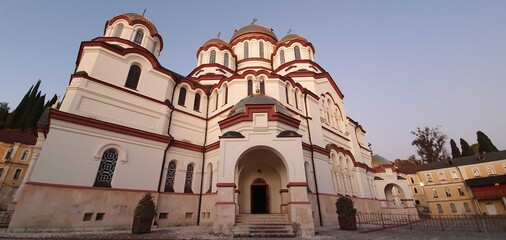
<point>312,161</point>
<point>203,163</point>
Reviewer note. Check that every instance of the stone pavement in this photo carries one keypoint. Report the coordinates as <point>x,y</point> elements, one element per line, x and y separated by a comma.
<point>195,232</point>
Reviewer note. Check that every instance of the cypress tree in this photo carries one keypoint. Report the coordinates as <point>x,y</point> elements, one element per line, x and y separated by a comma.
<point>30,122</point>
<point>466,149</point>
<point>455,149</point>
<point>485,144</point>
<point>475,148</point>
<point>16,115</point>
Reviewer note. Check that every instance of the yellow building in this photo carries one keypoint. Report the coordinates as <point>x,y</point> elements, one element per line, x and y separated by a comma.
<point>15,154</point>
<point>462,186</point>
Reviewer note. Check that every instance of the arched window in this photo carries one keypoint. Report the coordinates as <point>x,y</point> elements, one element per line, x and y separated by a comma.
<point>250,87</point>
<point>200,58</point>
<point>281,57</point>
<point>429,177</point>
<point>25,154</point>
<point>261,49</point>
<point>296,49</point>
<point>226,94</point>
<point>17,174</point>
<point>133,77</point>
<point>415,190</point>
<point>8,154</point>
<point>286,94</point>
<point>297,98</point>
<point>262,87</point>
<point>196,102</point>
<point>106,168</point>
<point>210,170</point>
<point>412,180</point>
<point>212,57</point>
<point>434,193</point>
<point>476,173</point>
<point>138,37</point>
<point>188,179</point>
<point>182,96</point>
<point>466,207</point>
<point>246,50</point>
<point>454,175</point>
<point>225,60</point>
<point>307,174</point>
<point>118,30</point>
<point>216,101</point>
<point>439,208</point>
<point>453,208</point>
<point>442,176</point>
<point>490,171</point>
<point>171,176</point>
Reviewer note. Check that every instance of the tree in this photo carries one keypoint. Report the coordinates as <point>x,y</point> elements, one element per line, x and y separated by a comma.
<point>475,147</point>
<point>455,149</point>
<point>408,162</point>
<point>485,145</point>
<point>430,144</point>
<point>4,112</point>
<point>466,149</point>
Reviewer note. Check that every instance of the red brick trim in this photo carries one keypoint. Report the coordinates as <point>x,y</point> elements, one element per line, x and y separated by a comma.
<point>179,193</point>
<point>283,190</point>
<point>253,59</point>
<point>232,185</point>
<point>87,187</point>
<point>67,117</point>
<point>272,115</point>
<point>298,202</point>
<point>212,146</point>
<point>296,184</point>
<point>188,146</point>
<point>224,203</point>
<point>216,45</point>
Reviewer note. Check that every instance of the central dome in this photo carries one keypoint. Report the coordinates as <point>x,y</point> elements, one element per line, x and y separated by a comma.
<point>254,28</point>
<point>259,99</point>
<point>378,160</point>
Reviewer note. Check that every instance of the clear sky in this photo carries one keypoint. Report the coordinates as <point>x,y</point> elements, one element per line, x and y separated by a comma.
<point>400,64</point>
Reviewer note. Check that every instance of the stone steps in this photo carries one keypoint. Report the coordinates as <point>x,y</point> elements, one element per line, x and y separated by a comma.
<point>263,225</point>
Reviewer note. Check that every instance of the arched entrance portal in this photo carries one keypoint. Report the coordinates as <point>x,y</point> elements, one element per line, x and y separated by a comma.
<point>261,175</point>
<point>259,196</point>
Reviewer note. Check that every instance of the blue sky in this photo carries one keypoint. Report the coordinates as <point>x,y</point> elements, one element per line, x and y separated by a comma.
<point>400,64</point>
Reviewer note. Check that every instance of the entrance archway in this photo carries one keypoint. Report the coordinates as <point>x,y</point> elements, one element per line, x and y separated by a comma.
<point>259,196</point>
<point>260,176</point>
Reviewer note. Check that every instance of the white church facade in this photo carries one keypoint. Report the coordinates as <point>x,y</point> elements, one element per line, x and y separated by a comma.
<point>257,127</point>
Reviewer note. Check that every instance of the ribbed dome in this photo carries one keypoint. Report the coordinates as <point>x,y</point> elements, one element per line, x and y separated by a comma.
<point>218,41</point>
<point>134,17</point>
<point>378,160</point>
<point>254,28</point>
<point>240,107</point>
<point>291,37</point>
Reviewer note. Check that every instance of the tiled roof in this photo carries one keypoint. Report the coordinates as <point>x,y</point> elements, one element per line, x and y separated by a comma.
<point>12,137</point>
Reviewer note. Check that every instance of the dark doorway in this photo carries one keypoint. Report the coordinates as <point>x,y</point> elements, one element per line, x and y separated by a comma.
<point>259,196</point>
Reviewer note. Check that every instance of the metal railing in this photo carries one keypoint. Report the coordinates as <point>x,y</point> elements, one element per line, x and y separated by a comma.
<point>469,222</point>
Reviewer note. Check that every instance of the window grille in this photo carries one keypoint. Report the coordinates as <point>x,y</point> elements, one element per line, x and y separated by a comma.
<point>188,180</point>
<point>296,49</point>
<point>138,37</point>
<point>106,168</point>
<point>212,57</point>
<point>225,60</point>
<point>171,175</point>
<point>246,50</point>
<point>261,49</point>
<point>281,57</point>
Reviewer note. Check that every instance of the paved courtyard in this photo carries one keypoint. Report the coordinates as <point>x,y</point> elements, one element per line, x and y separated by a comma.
<point>195,232</point>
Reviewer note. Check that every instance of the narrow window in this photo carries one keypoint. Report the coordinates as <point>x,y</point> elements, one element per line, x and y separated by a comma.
<point>286,94</point>
<point>442,176</point>
<point>210,178</point>
<point>434,193</point>
<point>212,57</point>
<point>87,216</point>
<point>412,180</point>
<point>99,216</point>
<point>216,101</point>
<point>106,168</point>
<point>188,179</point>
<point>250,87</point>
<point>454,175</point>
<point>476,173</point>
<point>415,190</point>
<point>281,57</point>
<point>296,49</point>
<point>429,177</point>
<point>246,50</point>
<point>297,99</point>
<point>453,208</point>
<point>466,207</point>
<point>439,208</point>
<point>200,58</point>
<point>118,30</point>
<point>8,154</point>
<point>225,60</point>
<point>133,77</point>
<point>261,49</point>
<point>490,171</point>
<point>461,192</point>
<point>447,191</point>
<point>196,102</point>
<point>163,215</point>
<point>182,96</point>
<point>17,174</point>
<point>1,171</point>
<point>25,154</point>
<point>155,45</point>
<point>226,94</point>
<point>171,176</point>
<point>262,87</point>
<point>138,37</point>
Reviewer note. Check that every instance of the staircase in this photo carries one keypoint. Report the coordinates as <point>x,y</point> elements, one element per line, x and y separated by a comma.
<point>263,225</point>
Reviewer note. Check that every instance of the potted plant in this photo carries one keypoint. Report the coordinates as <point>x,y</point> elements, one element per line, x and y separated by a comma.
<point>346,213</point>
<point>144,214</point>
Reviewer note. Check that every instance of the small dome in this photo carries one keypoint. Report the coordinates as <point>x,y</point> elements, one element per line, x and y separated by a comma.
<point>218,41</point>
<point>240,107</point>
<point>378,160</point>
<point>291,37</point>
<point>137,17</point>
<point>254,28</point>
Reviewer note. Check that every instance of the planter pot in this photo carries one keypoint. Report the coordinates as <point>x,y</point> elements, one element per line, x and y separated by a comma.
<point>141,225</point>
<point>347,223</point>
